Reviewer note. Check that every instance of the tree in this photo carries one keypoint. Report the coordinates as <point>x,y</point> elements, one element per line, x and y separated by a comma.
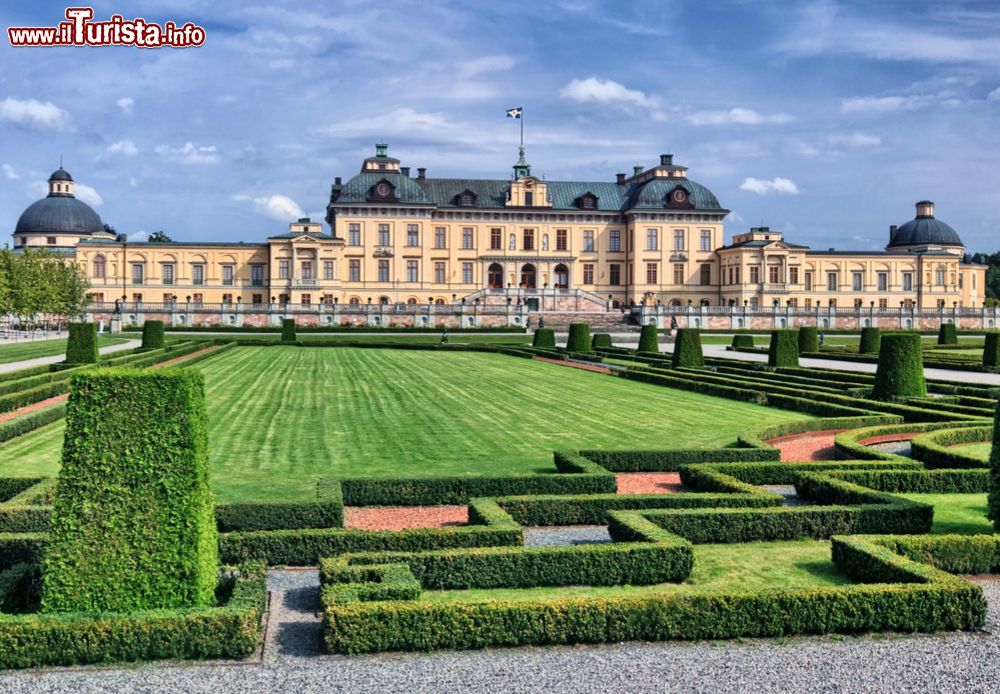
<point>159,237</point>
<point>36,282</point>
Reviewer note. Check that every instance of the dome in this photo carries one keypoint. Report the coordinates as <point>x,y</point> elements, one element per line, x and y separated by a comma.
<point>925,230</point>
<point>59,214</point>
<point>60,174</point>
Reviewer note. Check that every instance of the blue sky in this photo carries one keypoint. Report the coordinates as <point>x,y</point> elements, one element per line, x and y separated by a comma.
<point>825,120</point>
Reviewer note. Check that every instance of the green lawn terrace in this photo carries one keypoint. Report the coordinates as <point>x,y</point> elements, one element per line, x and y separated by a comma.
<point>281,418</point>
<point>14,350</point>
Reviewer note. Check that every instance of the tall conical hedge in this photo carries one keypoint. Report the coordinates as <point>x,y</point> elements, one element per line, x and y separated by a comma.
<point>82,345</point>
<point>152,335</point>
<point>579,338</point>
<point>648,339</point>
<point>993,500</point>
<point>871,339</point>
<point>808,339</point>
<point>991,350</point>
<point>900,371</point>
<point>687,349</point>
<point>601,340</point>
<point>784,348</point>
<point>288,330</point>
<point>544,337</point>
<point>948,334</point>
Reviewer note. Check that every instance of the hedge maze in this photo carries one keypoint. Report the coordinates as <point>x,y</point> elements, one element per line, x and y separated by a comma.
<point>483,583</point>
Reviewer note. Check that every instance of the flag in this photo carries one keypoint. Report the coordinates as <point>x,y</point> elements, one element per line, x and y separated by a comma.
<point>515,112</point>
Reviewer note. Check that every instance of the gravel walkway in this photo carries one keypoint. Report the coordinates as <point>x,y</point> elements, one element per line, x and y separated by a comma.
<point>787,491</point>
<point>810,446</point>
<point>55,359</point>
<point>558,535</point>
<point>649,482</point>
<point>404,517</point>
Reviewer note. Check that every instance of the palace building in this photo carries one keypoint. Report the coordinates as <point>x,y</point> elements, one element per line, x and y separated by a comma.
<point>652,237</point>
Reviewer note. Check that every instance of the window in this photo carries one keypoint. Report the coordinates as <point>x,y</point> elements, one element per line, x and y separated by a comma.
<point>439,237</point>
<point>614,274</point>
<point>306,299</point>
<point>383,271</point>
<point>257,275</point>
<point>467,273</point>
<point>754,274</point>
<point>678,239</point>
<point>939,277</point>
<point>529,199</point>
<point>412,271</point>
<point>678,273</point>
<point>227,299</point>
<point>858,303</point>
<point>355,301</point>
<point>138,273</point>
<point>354,270</point>
<point>466,199</point>
<point>496,239</point>
<point>706,274</point>
<point>383,235</point>
<point>588,272</point>
<point>307,269</point>
<point>467,238</point>
<point>100,267</point>
<point>857,281</point>
<point>907,281</point>
<point>651,242</point>
<point>529,239</point>
<point>588,240</point>
<point>615,241</point>
<point>412,235</point>
<point>257,299</point>
<point>283,265</point>
<point>730,275</point>
<point>809,304</point>
<point>706,239</point>
<point>940,302</point>
<point>883,281</point>
<point>227,275</point>
<point>354,235</point>
<point>51,240</point>
<point>737,274</point>
<point>439,273</point>
<point>587,202</point>
<point>831,281</point>
<point>198,298</point>
<point>774,274</point>
<point>561,239</point>
<point>168,273</point>
<point>198,273</point>
<point>328,269</point>
<point>793,275</point>
<point>809,281</point>
<point>650,273</point>
<point>167,298</point>
<point>883,303</point>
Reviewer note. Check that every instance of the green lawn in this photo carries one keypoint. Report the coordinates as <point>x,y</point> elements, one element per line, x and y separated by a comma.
<point>282,417</point>
<point>963,514</point>
<point>738,567</point>
<point>18,351</point>
<point>980,451</point>
<point>432,338</point>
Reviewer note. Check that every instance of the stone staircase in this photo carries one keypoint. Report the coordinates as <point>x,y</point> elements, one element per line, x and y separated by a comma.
<point>613,321</point>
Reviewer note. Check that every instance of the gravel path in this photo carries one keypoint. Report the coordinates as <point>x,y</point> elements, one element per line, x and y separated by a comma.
<point>556,535</point>
<point>404,517</point>
<point>809,446</point>
<point>649,482</point>
<point>55,359</point>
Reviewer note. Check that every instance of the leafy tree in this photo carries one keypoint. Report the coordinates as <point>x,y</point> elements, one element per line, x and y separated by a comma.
<point>36,282</point>
<point>160,237</point>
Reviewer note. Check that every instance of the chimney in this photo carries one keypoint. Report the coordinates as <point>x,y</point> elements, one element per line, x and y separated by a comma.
<point>666,160</point>
<point>892,232</point>
<point>421,173</point>
<point>620,179</point>
<point>636,170</point>
<point>925,208</point>
<point>336,181</point>
<point>405,170</point>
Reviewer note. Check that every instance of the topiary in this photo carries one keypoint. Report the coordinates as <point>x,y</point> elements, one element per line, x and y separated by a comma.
<point>601,341</point>
<point>152,335</point>
<point>742,342</point>
<point>82,345</point>
<point>288,330</point>
<point>808,339</point>
<point>993,499</point>
<point>579,338</point>
<point>784,349</point>
<point>900,372</point>
<point>544,337</point>
<point>132,524</point>
<point>871,339</point>
<point>948,334</point>
<point>991,350</point>
<point>649,340</point>
<point>687,349</point>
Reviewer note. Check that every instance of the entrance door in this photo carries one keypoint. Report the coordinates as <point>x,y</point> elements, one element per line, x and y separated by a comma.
<point>561,277</point>
<point>528,275</point>
<point>494,276</point>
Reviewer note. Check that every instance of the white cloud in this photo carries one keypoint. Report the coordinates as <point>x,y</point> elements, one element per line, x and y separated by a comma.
<point>399,121</point>
<point>855,140</point>
<point>10,173</point>
<point>489,63</point>
<point>126,147</point>
<point>279,207</point>
<point>88,194</point>
<point>737,116</point>
<point>994,95</point>
<point>140,236</point>
<point>778,186</point>
<point>132,182</point>
<point>884,104</point>
<point>597,90</point>
<point>125,104</point>
<point>190,153</point>
<point>32,113</point>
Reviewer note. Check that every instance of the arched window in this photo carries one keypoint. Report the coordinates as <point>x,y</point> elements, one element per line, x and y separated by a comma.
<point>100,267</point>
<point>354,301</point>
<point>528,276</point>
<point>439,302</point>
<point>494,276</point>
<point>412,301</point>
<point>560,277</point>
<point>383,300</point>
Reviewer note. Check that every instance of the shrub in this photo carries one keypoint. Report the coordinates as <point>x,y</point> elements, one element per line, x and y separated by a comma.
<point>601,341</point>
<point>871,338</point>
<point>648,339</point>
<point>132,523</point>
<point>579,338</point>
<point>687,349</point>
<point>808,339</point>
<point>152,335</point>
<point>288,330</point>
<point>82,345</point>
<point>948,334</point>
<point>784,349</point>
<point>900,370</point>
<point>742,342</point>
<point>544,337</point>
<point>993,504</point>
<point>991,350</point>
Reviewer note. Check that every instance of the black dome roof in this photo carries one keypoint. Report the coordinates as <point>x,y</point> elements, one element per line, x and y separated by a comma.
<point>60,174</point>
<point>59,214</point>
<point>925,229</point>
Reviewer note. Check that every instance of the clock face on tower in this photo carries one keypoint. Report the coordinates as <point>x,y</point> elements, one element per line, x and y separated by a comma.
<point>679,196</point>
<point>383,190</point>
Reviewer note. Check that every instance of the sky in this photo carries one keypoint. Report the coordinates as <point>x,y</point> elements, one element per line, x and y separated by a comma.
<point>825,120</point>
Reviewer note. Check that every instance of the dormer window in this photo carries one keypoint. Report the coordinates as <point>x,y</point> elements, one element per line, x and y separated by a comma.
<point>678,197</point>
<point>587,201</point>
<point>383,190</point>
<point>466,198</point>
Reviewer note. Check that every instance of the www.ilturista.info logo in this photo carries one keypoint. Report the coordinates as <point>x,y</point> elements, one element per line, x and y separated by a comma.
<point>80,30</point>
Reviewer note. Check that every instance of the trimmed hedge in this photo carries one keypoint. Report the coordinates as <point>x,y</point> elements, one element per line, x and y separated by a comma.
<point>993,499</point>
<point>31,421</point>
<point>578,339</point>
<point>601,341</point>
<point>871,340</point>
<point>81,348</point>
<point>544,337</point>
<point>649,340</point>
<point>808,339</point>
<point>687,349</point>
<point>991,350</point>
<point>948,334</point>
<point>958,554</point>
<point>672,460</point>
<point>132,525</point>
<point>152,335</point>
<point>783,350</point>
<point>969,481</point>
<point>742,342</point>
<point>900,370</point>
<point>288,330</point>
<point>326,512</point>
<point>934,448</point>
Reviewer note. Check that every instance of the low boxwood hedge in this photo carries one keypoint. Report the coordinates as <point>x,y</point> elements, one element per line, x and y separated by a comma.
<point>601,341</point>
<point>969,481</point>
<point>934,448</point>
<point>742,342</point>
<point>326,512</point>
<point>671,461</point>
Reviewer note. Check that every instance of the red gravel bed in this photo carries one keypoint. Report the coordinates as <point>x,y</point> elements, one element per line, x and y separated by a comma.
<point>649,482</point>
<point>574,365</point>
<point>889,438</point>
<point>809,446</point>
<point>404,517</point>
